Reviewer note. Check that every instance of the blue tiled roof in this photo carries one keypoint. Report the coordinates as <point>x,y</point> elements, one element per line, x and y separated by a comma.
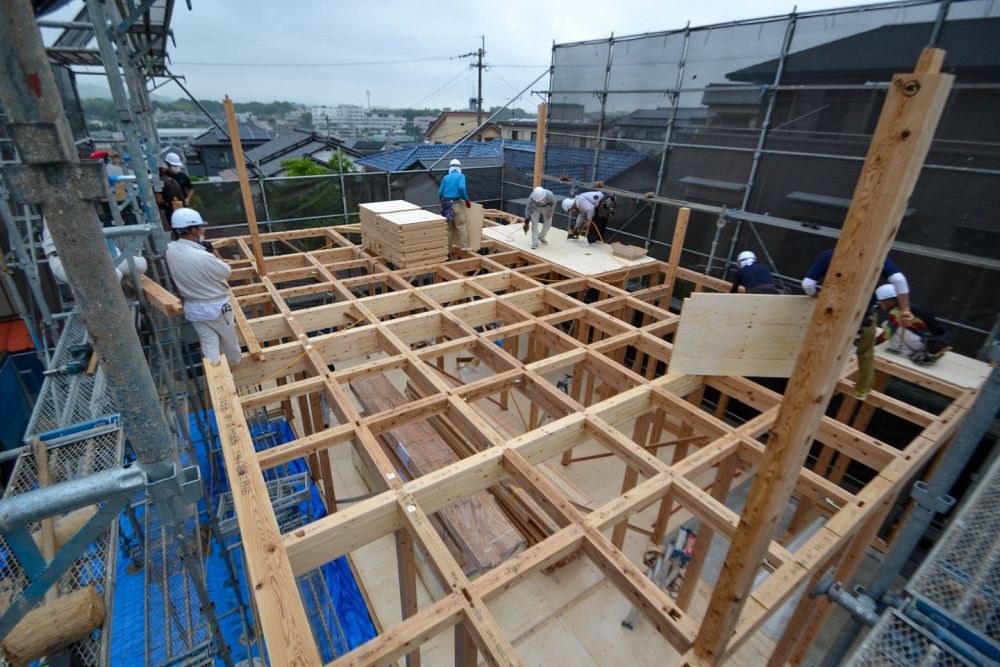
<point>404,158</point>
<point>574,162</point>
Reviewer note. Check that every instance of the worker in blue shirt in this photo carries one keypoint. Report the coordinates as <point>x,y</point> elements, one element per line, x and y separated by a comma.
<point>866,335</point>
<point>752,276</point>
<point>453,190</point>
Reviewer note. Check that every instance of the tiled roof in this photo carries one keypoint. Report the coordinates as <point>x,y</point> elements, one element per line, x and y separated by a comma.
<point>574,162</point>
<point>248,133</point>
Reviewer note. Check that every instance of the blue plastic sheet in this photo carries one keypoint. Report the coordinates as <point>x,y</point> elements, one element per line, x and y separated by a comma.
<point>337,628</point>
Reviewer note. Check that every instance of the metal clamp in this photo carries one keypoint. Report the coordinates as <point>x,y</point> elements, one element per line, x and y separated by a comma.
<point>173,496</point>
<point>925,499</point>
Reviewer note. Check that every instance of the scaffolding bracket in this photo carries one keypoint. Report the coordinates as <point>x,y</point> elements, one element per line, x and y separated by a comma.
<point>174,496</point>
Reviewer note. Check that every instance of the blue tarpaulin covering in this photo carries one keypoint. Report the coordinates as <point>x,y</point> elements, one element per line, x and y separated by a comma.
<point>338,628</point>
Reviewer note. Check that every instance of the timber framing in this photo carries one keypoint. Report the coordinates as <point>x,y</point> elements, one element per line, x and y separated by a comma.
<point>314,320</point>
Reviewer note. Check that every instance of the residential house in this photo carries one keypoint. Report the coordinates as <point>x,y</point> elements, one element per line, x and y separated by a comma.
<point>211,152</point>
<point>292,145</point>
<point>452,126</point>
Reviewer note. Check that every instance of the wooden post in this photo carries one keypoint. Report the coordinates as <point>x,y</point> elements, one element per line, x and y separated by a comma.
<point>48,532</point>
<point>543,112</point>
<point>241,171</point>
<point>407,584</point>
<point>902,138</point>
<point>680,230</point>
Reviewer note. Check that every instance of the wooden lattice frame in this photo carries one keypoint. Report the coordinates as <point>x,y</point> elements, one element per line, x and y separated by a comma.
<point>524,295</point>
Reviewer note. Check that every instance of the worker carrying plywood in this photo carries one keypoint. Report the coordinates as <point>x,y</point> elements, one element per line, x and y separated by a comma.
<point>924,341</point>
<point>592,210</point>
<point>752,276</point>
<point>866,335</point>
<point>200,276</point>
<point>453,191</point>
<point>541,207</point>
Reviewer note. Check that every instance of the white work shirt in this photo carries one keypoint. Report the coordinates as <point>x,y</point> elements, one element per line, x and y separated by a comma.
<point>200,278</point>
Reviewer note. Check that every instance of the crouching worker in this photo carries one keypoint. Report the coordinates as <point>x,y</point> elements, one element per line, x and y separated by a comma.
<point>200,276</point>
<point>59,271</point>
<point>924,341</point>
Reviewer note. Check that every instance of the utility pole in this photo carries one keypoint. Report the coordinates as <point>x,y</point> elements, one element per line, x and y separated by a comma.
<point>479,94</point>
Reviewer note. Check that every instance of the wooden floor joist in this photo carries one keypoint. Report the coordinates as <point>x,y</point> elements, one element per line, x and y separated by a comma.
<point>590,359</point>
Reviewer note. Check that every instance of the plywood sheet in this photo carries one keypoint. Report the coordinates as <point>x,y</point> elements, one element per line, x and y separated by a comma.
<point>474,225</point>
<point>757,335</point>
<point>952,368</point>
<point>576,255</point>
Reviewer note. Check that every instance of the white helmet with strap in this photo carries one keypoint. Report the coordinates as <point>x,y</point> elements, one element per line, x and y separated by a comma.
<point>567,203</point>
<point>746,258</point>
<point>884,292</point>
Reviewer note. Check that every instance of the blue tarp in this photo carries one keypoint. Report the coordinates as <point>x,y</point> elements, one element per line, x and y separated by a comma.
<point>344,626</point>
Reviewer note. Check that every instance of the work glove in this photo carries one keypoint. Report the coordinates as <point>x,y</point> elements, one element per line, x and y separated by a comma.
<point>207,246</point>
<point>525,226</point>
<point>468,203</point>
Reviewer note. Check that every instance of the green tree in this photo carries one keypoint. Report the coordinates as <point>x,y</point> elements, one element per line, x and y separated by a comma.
<point>306,119</point>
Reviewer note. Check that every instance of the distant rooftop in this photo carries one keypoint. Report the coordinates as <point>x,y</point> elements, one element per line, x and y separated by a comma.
<point>248,133</point>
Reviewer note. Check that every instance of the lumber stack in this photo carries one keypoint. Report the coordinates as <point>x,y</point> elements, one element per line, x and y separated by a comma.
<point>369,219</point>
<point>476,526</point>
<point>413,238</point>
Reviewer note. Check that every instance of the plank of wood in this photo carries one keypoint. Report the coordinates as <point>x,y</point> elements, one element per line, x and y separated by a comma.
<point>899,146</point>
<point>674,261</point>
<point>287,634</point>
<point>158,297</point>
<point>54,625</point>
<point>757,335</point>
<point>476,524</point>
<point>474,226</point>
<point>241,171</point>
<point>47,527</point>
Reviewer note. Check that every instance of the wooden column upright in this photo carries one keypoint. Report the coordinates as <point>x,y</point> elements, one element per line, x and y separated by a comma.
<point>899,146</point>
<point>680,231</point>
<point>241,170</point>
<point>543,111</point>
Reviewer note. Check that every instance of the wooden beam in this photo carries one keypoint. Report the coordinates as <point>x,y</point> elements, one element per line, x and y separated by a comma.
<point>158,297</point>
<point>539,172</point>
<point>899,146</point>
<point>241,171</point>
<point>287,634</point>
<point>674,262</point>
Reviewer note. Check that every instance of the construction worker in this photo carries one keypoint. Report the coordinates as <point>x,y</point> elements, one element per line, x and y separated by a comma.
<point>200,276</point>
<point>752,276</point>
<point>175,167</point>
<point>592,211</point>
<point>541,207</point>
<point>171,197</point>
<point>924,341</point>
<point>867,332</point>
<point>452,190</point>
<point>56,265</point>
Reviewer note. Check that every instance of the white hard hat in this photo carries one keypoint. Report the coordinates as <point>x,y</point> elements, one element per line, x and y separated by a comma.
<point>184,218</point>
<point>884,292</point>
<point>455,162</point>
<point>567,203</point>
<point>746,258</point>
<point>539,194</point>
<point>173,159</point>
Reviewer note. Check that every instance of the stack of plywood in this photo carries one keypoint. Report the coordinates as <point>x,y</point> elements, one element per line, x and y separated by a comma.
<point>369,219</point>
<point>476,526</point>
<point>413,238</point>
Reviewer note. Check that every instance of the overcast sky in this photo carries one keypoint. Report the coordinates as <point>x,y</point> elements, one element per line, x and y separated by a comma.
<point>322,52</point>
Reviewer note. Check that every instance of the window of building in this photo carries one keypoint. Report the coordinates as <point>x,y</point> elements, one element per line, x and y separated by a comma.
<point>513,135</point>
<point>224,157</point>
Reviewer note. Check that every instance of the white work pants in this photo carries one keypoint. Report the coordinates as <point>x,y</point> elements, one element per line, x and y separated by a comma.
<point>217,334</point>
<point>537,220</point>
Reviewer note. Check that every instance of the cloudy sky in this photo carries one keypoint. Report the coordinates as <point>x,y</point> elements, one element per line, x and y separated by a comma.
<point>404,53</point>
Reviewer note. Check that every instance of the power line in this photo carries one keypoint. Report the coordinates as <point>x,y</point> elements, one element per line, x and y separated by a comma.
<point>441,89</point>
<point>314,64</point>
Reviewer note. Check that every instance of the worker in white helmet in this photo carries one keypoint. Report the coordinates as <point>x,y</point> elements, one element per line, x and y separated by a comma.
<point>200,276</point>
<point>592,211</point>
<point>538,212</point>
<point>752,276</point>
<point>452,193</point>
<point>59,271</point>
<point>867,332</point>
<point>175,168</point>
<point>924,341</point>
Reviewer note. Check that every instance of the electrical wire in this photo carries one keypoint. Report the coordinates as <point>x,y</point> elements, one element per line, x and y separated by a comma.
<point>315,64</point>
<point>442,89</point>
